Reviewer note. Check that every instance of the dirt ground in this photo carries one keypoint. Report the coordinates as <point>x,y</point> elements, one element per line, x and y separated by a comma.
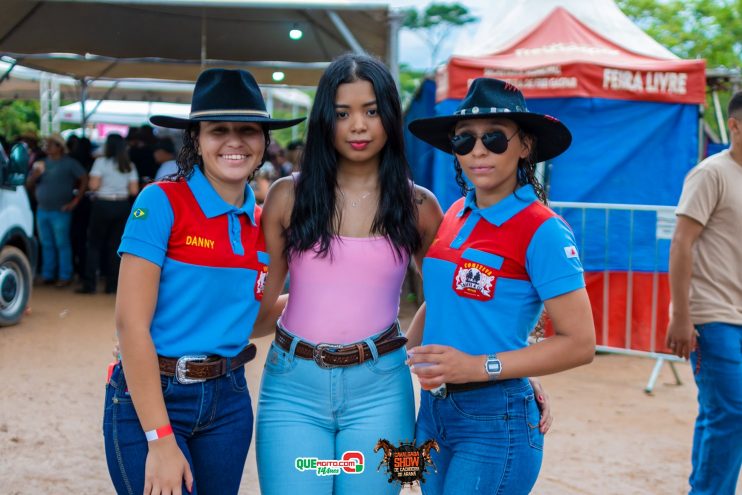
<point>609,437</point>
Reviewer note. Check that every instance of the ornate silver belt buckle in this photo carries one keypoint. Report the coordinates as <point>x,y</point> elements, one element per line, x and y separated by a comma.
<point>440,392</point>
<point>317,355</point>
<point>181,368</point>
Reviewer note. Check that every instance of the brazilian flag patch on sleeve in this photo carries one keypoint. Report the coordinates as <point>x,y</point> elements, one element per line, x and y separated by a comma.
<point>139,214</point>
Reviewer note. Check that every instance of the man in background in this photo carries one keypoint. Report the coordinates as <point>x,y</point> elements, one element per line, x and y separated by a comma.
<point>58,183</point>
<point>706,315</point>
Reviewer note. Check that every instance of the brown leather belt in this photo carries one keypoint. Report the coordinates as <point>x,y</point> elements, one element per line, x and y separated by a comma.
<point>334,355</point>
<point>199,368</point>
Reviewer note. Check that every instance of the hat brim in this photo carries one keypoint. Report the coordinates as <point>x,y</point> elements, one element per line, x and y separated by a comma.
<point>552,137</point>
<point>181,123</point>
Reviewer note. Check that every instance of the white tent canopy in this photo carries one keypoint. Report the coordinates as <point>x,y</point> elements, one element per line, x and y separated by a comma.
<point>136,113</point>
<point>131,113</point>
<point>502,27</point>
<point>176,39</point>
<point>23,83</point>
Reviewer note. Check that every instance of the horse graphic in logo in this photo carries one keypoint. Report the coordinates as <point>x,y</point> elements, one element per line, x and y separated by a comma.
<point>407,463</point>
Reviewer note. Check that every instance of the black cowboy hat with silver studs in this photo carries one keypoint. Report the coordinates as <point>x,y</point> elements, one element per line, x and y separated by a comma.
<point>224,95</point>
<point>491,98</point>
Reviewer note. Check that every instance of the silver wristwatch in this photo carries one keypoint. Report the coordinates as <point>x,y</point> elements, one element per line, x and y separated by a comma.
<point>493,367</point>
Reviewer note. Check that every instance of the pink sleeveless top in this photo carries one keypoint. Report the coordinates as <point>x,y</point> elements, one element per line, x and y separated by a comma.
<point>347,296</point>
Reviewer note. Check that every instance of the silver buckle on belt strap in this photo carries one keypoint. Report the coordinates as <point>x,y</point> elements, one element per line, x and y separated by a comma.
<point>181,369</point>
<point>317,354</point>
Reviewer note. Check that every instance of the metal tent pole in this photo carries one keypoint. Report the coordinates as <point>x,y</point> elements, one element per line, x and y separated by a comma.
<point>345,32</point>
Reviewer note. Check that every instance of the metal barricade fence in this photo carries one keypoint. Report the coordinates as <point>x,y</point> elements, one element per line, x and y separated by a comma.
<point>619,243</point>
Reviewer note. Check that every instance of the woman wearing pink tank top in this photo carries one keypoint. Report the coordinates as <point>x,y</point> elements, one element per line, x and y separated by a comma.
<point>335,380</point>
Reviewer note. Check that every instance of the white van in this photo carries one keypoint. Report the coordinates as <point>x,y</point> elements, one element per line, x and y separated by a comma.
<point>18,249</point>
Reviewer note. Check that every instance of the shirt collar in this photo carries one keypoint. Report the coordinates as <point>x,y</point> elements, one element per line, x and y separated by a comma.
<point>503,210</point>
<point>212,204</point>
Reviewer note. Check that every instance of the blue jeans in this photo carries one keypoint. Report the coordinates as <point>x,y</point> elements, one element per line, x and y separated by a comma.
<point>56,247</point>
<point>212,423</point>
<point>308,411</point>
<point>717,440</point>
<point>489,439</point>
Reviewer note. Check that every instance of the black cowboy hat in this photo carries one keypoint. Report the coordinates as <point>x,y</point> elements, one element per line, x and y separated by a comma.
<point>492,98</point>
<point>225,95</point>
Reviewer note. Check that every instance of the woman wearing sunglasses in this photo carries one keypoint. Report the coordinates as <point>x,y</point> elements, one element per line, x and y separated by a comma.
<point>499,257</point>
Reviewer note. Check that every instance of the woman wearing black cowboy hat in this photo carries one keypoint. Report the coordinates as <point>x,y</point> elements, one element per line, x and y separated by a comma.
<point>192,274</point>
<point>499,257</point>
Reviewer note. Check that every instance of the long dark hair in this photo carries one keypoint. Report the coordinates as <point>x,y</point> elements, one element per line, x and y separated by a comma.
<point>315,217</point>
<point>526,169</point>
<point>116,148</point>
<point>189,157</point>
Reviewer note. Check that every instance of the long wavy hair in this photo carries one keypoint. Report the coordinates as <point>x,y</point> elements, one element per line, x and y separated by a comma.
<point>189,156</point>
<point>526,169</point>
<point>117,149</point>
<point>316,215</point>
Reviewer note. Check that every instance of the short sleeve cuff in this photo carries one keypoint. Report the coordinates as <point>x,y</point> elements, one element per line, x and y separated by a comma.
<point>561,286</point>
<point>695,217</point>
<point>142,249</point>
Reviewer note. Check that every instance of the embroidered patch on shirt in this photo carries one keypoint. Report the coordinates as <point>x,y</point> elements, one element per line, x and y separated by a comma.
<point>474,280</point>
<point>260,282</point>
<point>570,251</point>
<point>139,214</point>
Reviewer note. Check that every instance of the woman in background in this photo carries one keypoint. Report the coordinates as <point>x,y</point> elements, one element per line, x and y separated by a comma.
<point>113,180</point>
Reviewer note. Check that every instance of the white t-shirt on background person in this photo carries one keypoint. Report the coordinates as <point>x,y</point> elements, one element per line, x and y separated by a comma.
<point>113,182</point>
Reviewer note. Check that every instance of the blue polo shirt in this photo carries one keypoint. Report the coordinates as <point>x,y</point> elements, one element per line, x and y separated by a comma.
<point>489,270</point>
<point>213,265</point>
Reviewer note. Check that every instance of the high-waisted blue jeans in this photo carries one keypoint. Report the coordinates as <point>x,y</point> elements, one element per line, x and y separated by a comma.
<point>306,411</point>
<point>717,440</point>
<point>212,423</point>
<point>489,439</point>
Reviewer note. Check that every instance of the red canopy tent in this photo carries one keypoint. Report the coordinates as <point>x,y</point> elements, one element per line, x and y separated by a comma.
<point>562,57</point>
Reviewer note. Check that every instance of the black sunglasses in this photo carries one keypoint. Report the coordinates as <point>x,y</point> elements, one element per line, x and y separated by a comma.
<point>496,142</point>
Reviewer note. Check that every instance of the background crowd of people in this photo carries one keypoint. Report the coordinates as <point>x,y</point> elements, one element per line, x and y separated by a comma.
<point>81,193</point>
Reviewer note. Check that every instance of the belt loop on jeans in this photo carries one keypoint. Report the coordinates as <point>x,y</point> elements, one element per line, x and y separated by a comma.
<point>292,350</point>
<point>229,366</point>
<point>372,346</point>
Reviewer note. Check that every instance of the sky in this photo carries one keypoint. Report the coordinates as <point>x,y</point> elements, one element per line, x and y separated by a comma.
<point>413,51</point>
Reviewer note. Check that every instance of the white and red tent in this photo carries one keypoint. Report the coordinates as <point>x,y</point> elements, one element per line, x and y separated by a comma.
<point>563,56</point>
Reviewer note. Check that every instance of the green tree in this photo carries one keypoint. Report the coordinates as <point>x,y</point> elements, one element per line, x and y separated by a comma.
<point>409,80</point>
<point>17,117</point>
<point>709,29</point>
<point>436,23</point>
